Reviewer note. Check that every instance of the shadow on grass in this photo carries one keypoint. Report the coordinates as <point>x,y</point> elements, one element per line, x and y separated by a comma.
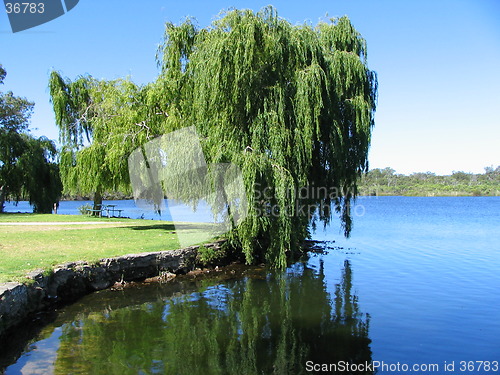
<point>195,226</point>
<point>168,227</point>
<point>172,227</point>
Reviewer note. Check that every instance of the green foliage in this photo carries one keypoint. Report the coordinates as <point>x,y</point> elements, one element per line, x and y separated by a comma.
<point>14,119</point>
<point>42,184</point>
<point>388,182</point>
<point>106,113</point>
<point>3,73</point>
<point>12,147</point>
<point>27,167</point>
<point>73,107</point>
<point>48,272</point>
<point>292,106</point>
<point>84,209</point>
<point>209,256</point>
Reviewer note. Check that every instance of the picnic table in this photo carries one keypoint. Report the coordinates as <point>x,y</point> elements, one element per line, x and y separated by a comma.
<point>109,209</point>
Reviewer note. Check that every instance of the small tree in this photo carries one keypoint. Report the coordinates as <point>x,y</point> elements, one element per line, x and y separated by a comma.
<point>27,167</point>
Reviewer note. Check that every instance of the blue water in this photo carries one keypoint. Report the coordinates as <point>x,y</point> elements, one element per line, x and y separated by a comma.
<point>427,270</point>
<point>71,208</point>
<point>422,273</point>
<point>130,209</point>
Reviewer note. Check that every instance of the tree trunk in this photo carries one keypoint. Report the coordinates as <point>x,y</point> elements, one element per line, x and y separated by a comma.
<point>3,193</point>
<point>97,203</point>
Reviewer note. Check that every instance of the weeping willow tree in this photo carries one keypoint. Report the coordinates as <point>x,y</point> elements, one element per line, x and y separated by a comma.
<point>93,117</point>
<point>292,106</point>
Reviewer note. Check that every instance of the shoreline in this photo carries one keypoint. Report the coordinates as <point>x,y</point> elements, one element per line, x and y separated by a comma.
<point>68,282</point>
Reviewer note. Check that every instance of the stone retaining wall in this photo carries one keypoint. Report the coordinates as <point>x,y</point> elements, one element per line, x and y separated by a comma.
<point>71,281</point>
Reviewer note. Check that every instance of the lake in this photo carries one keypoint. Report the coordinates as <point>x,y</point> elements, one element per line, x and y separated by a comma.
<point>416,286</point>
<point>71,208</point>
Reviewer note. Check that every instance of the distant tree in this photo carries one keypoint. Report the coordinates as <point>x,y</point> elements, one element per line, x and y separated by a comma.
<point>461,177</point>
<point>293,106</point>
<point>12,147</point>
<point>422,176</point>
<point>42,183</point>
<point>380,177</point>
<point>492,173</point>
<point>27,166</point>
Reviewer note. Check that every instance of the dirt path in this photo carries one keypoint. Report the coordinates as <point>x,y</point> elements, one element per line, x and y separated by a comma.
<point>64,223</point>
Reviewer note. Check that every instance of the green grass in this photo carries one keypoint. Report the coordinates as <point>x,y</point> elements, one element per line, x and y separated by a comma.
<point>28,247</point>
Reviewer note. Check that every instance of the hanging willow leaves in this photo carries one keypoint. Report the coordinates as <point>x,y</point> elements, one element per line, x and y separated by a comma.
<point>72,106</point>
<point>99,127</point>
<point>292,106</point>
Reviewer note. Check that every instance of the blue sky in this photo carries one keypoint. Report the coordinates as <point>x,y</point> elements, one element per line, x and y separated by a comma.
<point>438,64</point>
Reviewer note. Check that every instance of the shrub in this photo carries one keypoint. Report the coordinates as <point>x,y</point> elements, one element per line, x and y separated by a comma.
<point>85,209</point>
<point>209,256</point>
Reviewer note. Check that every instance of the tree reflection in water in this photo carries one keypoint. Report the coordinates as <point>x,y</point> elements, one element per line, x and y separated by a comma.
<point>272,324</point>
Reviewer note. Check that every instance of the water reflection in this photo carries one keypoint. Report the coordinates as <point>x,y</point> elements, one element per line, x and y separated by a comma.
<point>255,325</point>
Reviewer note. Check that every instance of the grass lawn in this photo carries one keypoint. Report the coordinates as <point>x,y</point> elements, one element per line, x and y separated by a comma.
<point>27,247</point>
